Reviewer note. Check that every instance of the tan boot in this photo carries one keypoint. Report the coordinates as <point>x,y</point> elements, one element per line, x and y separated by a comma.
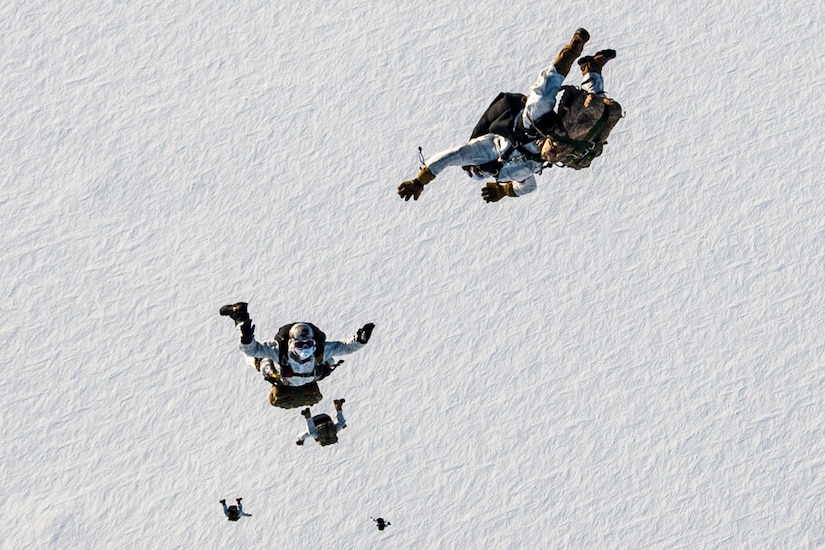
<point>412,188</point>
<point>595,63</point>
<point>571,51</point>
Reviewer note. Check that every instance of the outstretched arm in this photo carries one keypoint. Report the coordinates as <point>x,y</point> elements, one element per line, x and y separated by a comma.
<point>253,348</point>
<point>336,347</point>
<point>475,152</point>
<point>354,343</point>
<point>311,430</point>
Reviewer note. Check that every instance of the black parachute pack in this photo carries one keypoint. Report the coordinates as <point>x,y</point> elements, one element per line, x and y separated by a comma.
<point>577,133</point>
<point>232,513</point>
<point>503,117</point>
<point>321,370</point>
<point>327,434</point>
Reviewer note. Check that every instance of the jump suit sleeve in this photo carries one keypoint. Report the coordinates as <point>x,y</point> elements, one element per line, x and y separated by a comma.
<point>265,350</point>
<point>528,185</point>
<point>336,347</point>
<point>475,152</point>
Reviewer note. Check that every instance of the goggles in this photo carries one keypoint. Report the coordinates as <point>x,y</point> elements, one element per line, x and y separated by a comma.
<point>303,344</point>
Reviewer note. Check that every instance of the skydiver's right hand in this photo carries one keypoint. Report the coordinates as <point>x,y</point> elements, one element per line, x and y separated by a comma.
<point>411,188</point>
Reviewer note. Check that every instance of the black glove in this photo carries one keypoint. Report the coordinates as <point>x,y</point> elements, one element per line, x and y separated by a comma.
<point>411,188</point>
<point>299,442</point>
<point>247,332</point>
<point>364,333</point>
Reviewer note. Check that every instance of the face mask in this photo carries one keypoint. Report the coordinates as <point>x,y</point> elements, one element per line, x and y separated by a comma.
<point>303,353</point>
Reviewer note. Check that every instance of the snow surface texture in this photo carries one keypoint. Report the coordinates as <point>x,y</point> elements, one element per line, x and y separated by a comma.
<point>631,357</point>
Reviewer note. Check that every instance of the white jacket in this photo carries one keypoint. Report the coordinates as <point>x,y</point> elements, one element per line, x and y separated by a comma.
<point>303,373</point>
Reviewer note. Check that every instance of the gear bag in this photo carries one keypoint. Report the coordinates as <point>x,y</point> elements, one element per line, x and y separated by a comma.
<point>579,130</point>
<point>327,434</point>
<point>290,397</point>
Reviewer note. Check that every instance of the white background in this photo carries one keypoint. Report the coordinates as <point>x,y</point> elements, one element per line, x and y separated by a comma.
<point>630,357</point>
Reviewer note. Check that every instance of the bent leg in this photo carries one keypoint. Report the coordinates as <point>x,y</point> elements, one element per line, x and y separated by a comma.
<point>542,95</point>
<point>573,49</point>
<point>591,67</point>
<point>593,83</point>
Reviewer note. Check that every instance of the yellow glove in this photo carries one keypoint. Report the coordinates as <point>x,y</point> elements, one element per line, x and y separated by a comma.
<point>412,188</point>
<point>494,191</point>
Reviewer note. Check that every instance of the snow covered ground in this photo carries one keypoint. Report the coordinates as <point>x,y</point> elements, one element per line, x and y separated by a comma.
<point>631,357</point>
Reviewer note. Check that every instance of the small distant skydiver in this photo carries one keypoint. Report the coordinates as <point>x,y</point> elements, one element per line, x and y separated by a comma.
<point>234,512</point>
<point>380,523</point>
<point>321,427</point>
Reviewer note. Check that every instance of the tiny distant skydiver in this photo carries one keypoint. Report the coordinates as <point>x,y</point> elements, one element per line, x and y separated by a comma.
<point>321,427</point>
<point>380,523</point>
<point>234,512</point>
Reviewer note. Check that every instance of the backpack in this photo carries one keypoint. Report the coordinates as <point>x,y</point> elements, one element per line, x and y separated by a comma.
<point>578,132</point>
<point>327,434</point>
<point>501,117</point>
<point>232,513</point>
<point>283,350</point>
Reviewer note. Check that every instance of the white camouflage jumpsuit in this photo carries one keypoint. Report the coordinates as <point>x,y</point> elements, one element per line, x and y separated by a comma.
<point>303,373</point>
<point>311,430</point>
<point>517,168</point>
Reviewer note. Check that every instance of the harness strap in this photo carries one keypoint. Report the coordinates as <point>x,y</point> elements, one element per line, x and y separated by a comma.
<point>289,373</point>
<point>595,133</point>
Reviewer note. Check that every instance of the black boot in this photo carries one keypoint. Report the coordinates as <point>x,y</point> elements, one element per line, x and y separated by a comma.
<point>236,312</point>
